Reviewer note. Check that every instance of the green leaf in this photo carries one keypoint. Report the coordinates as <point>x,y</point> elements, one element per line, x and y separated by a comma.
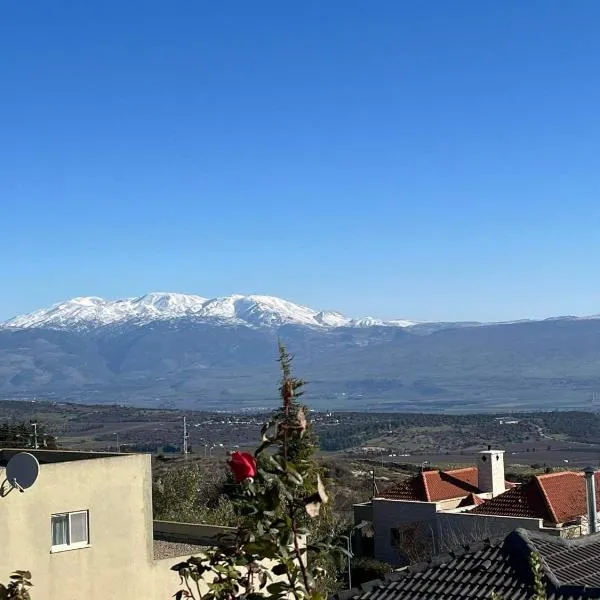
<point>277,588</point>
<point>280,569</point>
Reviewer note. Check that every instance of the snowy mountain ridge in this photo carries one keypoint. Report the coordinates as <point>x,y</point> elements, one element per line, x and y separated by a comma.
<point>91,312</point>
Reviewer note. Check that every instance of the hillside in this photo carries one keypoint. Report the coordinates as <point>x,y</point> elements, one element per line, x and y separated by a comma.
<point>186,357</point>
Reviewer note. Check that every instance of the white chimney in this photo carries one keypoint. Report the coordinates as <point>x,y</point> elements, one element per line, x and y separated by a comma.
<point>491,472</point>
<point>590,488</point>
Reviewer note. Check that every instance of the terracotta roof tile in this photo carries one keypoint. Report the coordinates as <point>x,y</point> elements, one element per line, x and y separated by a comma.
<point>554,497</point>
<point>521,501</point>
<point>433,486</point>
<point>565,494</point>
<point>470,500</point>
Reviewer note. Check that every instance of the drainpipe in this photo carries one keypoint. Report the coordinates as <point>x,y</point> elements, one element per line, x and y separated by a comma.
<point>590,486</point>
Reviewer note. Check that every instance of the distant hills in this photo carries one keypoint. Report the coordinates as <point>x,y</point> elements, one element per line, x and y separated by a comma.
<point>165,349</point>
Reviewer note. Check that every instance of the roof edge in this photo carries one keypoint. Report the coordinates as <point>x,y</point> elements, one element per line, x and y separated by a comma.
<point>546,499</point>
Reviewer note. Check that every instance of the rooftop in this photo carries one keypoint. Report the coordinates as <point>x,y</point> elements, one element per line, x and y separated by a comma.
<point>470,500</point>
<point>571,571</point>
<point>433,486</point>
<point>45,457</point>
<point>554,497</point>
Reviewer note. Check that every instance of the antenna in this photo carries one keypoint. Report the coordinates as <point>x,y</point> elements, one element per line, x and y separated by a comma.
<point>35,437</point>
<point>22,470</point>
<point>185,437</point>
<point>375,490</point>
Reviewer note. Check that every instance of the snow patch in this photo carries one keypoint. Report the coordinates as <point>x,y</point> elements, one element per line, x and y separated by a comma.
<point>252,311</point>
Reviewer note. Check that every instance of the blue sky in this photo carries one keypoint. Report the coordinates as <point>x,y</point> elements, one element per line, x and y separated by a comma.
<point>415,159</point>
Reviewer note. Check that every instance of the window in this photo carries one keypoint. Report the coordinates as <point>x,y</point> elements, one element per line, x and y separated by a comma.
<point>70,530</point>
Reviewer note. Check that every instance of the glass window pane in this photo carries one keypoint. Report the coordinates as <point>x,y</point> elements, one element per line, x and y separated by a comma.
<point>60,530</point>
<point>79,527</point>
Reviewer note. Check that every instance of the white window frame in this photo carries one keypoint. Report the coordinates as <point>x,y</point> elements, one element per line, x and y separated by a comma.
<point>69,545</point>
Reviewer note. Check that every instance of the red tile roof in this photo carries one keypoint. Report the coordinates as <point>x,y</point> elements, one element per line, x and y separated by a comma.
<point>521,501</point>
<point>470,500</point>
<point>554,497</point>
<point>433,486</point>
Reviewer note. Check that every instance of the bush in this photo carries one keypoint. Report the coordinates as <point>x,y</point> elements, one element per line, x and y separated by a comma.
<point>368,569</point>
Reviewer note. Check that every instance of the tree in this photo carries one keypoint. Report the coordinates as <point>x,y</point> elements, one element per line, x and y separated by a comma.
<point>275,496</point>
<point>294,416</point>
<point>190,494</point>
<point>294,413</point>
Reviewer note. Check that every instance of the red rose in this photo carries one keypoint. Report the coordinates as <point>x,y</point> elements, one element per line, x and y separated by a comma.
<point>243,465</point>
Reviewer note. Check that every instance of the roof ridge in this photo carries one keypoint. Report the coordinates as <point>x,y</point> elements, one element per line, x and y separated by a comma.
<point>528,541</point>
<point>546,499</point>
<point>425,486</point>
<point>558,474</point>
<point>450,471</point>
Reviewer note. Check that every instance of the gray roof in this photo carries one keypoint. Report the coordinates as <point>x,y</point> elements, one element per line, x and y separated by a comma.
<point>571,568</point>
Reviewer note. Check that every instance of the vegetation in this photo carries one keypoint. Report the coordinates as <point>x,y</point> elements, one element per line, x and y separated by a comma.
<point>18,587</point>
<point>368,569</point>
<point>94,427</point>
<point>192,494</point>
<point>273,499</point>
<point>537,571</point>
<point>23,435</point>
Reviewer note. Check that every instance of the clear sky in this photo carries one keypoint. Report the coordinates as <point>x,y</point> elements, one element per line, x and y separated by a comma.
<point>404,158</point>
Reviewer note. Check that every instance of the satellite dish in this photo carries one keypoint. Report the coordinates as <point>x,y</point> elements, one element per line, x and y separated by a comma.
<point>22,470</point>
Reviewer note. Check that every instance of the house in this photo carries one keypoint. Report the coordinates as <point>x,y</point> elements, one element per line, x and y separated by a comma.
<point>570,571</point>
<point>85,529</point>
<point>559,499</point>
<point>435,510</point>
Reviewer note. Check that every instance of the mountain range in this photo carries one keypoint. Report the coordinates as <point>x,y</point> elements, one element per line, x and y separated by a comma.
<point>251,311</point>
<point>167,349</point>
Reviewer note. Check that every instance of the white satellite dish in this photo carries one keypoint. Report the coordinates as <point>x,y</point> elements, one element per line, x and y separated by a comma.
<point>22,470</point>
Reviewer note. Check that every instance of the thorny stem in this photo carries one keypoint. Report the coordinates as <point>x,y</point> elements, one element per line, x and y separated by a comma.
<point>299,557</point>
<point>187,585</point>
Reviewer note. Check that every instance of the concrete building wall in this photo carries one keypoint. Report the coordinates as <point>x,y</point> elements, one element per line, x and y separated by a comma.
<point>363,512</point>
<point>393,514</point>
<point>456,529</point>
<point>118,561</point>
<point>437,531</point>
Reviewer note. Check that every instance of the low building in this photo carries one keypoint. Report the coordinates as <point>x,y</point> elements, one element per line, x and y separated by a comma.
<point>558,499</point>
<point>436,510</point>
<point>85,529</point>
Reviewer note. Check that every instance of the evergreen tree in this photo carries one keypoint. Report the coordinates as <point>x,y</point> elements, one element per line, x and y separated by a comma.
<point>293,414</point>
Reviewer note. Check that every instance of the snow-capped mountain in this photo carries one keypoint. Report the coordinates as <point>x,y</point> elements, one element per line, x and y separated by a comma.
<point>251,311</point>
<point>193,352</point>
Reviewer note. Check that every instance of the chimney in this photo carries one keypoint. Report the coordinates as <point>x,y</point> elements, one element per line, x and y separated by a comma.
<point>590,486</point>
<point>491,472</point>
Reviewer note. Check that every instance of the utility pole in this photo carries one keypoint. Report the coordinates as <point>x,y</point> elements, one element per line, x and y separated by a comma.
<point>185,437</point>
<point>118,445</point>
<point>350,559</point>
<point>35,439</point>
